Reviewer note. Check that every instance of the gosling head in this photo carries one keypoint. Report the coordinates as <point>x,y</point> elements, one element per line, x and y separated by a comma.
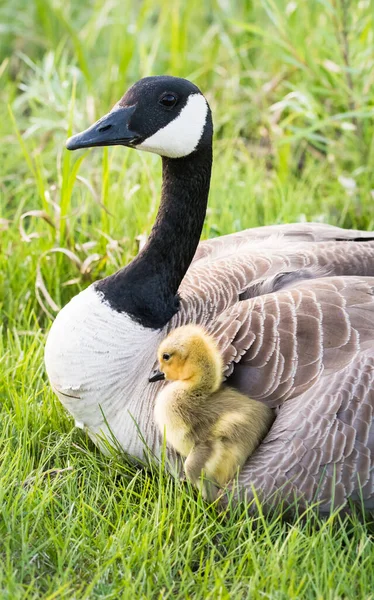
<point>165,115</point>
<point>189,354</point>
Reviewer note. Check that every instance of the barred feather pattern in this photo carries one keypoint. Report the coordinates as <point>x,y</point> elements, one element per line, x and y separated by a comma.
<point>306,350</point>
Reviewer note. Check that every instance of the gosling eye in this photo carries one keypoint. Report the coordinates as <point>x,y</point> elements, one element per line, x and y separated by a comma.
<point>168,100</point>
<point>165,356</point>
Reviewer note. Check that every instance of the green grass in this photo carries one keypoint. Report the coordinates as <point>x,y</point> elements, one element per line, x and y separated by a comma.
<point>291,85</point>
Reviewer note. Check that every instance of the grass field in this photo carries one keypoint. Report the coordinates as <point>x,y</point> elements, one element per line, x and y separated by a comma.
<point>291,85</point>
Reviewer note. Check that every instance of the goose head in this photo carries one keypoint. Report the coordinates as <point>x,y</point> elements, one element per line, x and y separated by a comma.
<point>165,115</point>
<point>170,117</point>
<point>188,354</point>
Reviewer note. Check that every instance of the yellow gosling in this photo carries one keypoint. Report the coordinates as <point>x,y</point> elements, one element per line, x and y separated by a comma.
<point>214,426</point>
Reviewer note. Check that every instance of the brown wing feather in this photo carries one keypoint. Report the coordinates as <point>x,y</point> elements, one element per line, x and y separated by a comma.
<point>321,446</point>
<point>214,283</point>
<point>293,233</point>
<point>305,348</point>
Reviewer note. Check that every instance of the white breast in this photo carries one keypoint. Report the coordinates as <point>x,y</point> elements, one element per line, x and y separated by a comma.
<point>98,361</point>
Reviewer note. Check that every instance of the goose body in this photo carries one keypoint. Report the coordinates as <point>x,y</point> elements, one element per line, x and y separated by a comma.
<point>291,308</point>
<point>215,427</point>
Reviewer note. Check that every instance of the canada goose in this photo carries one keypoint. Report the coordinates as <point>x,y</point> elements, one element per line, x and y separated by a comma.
<point>215,427</point>
<point>306,348</point>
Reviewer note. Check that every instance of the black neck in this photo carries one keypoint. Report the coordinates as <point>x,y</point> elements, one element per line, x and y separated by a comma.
<point>147,288</point>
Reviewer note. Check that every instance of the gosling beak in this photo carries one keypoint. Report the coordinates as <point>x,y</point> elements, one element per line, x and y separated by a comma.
<point>111,130</point>
<point>156,376</point>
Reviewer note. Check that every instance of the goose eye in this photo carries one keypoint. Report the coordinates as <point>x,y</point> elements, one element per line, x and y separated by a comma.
<point>168,100</point>
<point>165,356</point>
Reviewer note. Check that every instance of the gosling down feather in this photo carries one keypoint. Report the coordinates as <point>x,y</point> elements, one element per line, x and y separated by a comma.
<point>290,306</point>
<point>214,426</point>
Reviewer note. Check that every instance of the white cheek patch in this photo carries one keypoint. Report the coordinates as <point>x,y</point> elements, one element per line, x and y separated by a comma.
<point>181,136</point>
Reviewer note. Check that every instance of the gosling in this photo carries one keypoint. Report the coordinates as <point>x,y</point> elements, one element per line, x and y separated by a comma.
<point>214,426</point>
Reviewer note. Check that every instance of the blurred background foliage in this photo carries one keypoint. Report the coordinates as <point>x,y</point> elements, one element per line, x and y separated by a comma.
<point>291,88</point>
